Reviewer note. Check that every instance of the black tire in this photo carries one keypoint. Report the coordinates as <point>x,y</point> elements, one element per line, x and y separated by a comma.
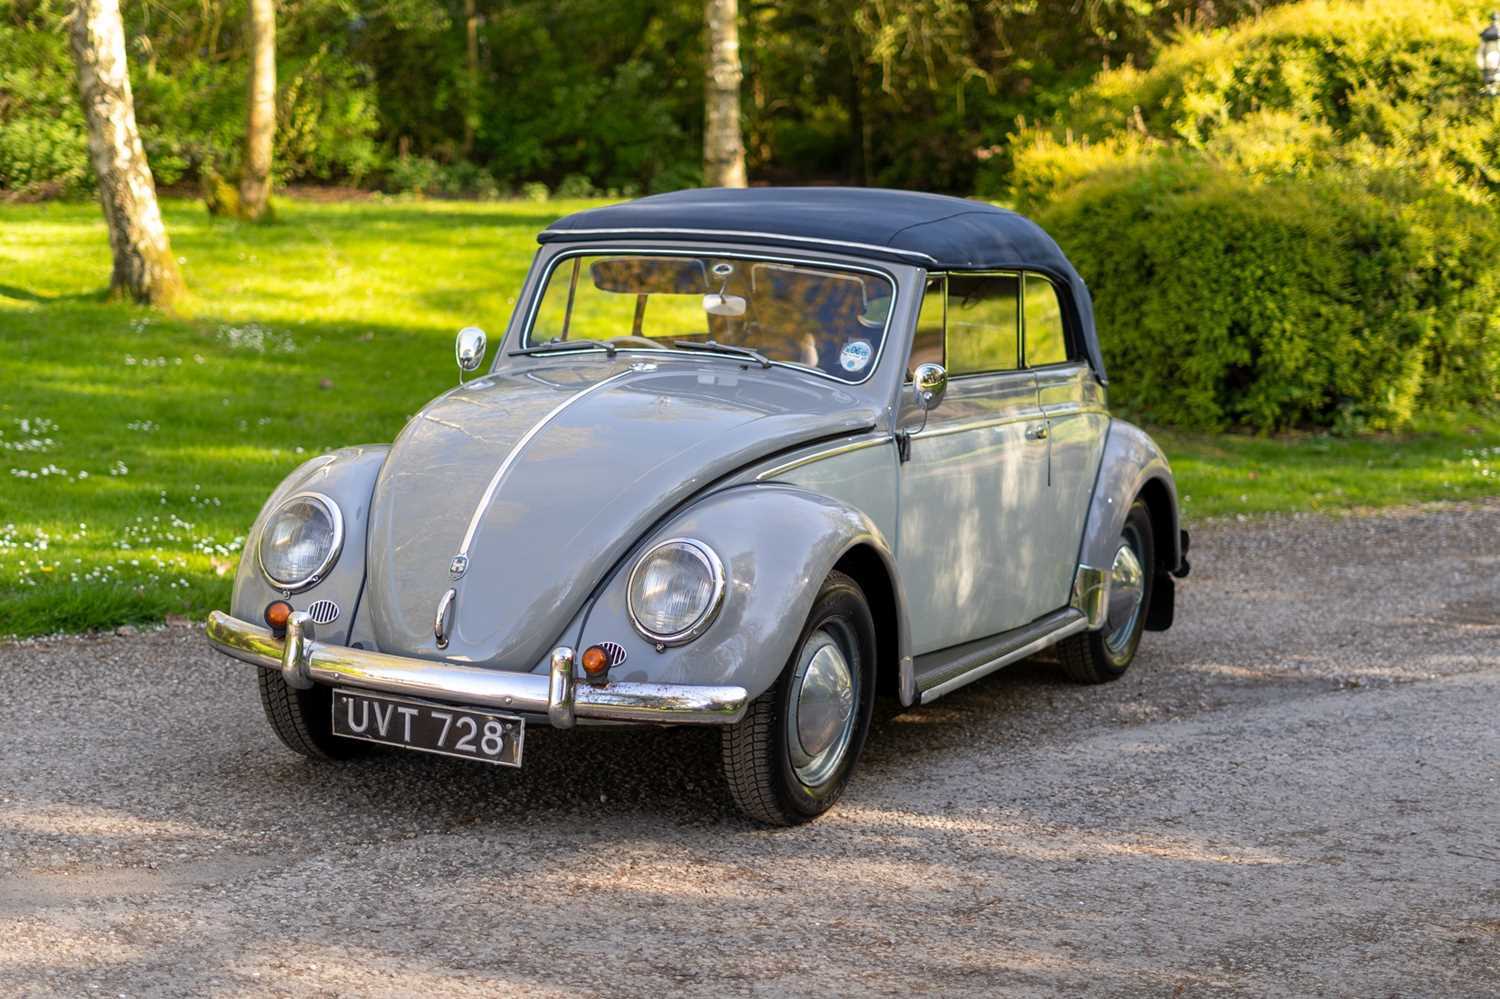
<point>1090,656</point>
<point>757,763</point>
<point>303,719</point>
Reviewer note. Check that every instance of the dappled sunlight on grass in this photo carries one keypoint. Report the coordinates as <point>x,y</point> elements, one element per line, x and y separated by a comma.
<point>330,327</point>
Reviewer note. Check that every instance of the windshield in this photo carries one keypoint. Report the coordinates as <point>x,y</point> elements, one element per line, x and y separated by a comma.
<point>823,318</point>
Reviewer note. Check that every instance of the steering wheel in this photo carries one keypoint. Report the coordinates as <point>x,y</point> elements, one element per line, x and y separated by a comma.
<point>633,341</point>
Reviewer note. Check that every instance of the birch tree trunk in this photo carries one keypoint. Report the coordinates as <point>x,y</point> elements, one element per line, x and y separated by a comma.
<point>144,267</point>
<point>723,146</point>
<point>260,128</point>
<point>471,78</point>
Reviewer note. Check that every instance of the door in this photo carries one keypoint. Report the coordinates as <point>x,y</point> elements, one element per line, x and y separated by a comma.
<point>1072,401</point>
<point>976,477</point>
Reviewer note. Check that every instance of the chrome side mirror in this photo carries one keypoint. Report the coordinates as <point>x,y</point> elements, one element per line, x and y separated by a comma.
<point>468,349</point>
<point>928,384</point>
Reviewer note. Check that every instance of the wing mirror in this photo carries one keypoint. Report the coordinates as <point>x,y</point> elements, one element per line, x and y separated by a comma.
<point>468,350</point>
<point>928,384</point>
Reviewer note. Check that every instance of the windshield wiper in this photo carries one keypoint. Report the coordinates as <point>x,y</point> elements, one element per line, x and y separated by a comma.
<point>558,344</point>
<point>723,348</point>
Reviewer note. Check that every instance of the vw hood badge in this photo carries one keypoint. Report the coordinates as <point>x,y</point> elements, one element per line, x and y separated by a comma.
<point>458,566</point>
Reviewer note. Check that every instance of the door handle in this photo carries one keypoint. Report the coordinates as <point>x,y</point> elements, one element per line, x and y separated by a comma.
<point>1036,432</point>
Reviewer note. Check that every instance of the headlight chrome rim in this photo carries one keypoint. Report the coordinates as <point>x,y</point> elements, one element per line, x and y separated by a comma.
<point>715,566</point>
<point>335,516</point>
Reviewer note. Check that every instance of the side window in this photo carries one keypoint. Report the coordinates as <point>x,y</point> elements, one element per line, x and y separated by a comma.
<point>927,343</point>
<point>984,330</point>
<point>1045,342</point>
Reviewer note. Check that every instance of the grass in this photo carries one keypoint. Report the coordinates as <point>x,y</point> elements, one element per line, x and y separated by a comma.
<point>136,447</point>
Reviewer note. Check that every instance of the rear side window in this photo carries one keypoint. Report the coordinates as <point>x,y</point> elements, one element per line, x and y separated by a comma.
<point>984,328</point>
<point>1045,342</point>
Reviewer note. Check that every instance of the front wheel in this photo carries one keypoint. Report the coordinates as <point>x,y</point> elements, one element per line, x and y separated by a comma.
<point>1104,655</point>
<point>789,759</point>
<point>303,719</point>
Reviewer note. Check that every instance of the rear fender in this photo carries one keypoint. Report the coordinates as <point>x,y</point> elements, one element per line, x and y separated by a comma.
<point>1132,467</point>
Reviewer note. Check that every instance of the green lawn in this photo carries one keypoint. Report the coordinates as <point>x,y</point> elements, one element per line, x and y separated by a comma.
<point>135,447</point>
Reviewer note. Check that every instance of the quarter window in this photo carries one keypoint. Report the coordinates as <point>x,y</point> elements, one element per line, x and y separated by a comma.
<point>984,329</point>
<point>927,342</point>
<point>1045,342</point>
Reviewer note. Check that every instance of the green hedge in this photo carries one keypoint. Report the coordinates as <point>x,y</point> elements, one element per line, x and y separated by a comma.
<point>1336,301</point>
<point>1289,223</point>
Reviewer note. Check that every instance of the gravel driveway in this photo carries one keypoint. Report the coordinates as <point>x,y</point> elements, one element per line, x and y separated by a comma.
<point>1295,791</point>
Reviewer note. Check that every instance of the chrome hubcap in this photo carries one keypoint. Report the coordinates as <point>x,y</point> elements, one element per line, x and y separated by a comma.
<point>820,715</point>
<point>1127,587</point>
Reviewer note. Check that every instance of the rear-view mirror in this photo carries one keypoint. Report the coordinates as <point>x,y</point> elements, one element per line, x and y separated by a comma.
<point>728,306</point>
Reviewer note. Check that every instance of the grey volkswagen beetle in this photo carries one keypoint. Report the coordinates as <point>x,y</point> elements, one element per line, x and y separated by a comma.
<point>742,458</point>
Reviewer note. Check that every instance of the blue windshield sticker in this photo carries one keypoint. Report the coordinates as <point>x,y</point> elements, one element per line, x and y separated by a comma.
<point>856,355</point>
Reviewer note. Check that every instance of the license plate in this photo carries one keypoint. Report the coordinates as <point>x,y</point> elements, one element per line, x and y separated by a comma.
<point>486,736</point>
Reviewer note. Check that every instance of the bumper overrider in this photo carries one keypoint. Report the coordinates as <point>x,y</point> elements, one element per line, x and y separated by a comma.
<point>303,661</point>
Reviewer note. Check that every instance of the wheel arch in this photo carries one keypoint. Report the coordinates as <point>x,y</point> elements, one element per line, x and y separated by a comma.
<point>868,567</point>
<point>1131,467</point>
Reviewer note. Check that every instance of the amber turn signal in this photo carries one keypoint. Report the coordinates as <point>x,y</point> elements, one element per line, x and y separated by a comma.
<point>595,662</point>
<point>276,615</point>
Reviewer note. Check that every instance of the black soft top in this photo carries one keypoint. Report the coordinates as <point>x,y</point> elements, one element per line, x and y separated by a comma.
<point>934,231</point>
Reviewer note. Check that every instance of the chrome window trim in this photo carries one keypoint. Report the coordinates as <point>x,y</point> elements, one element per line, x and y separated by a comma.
<point>334,514</point>
<point>1021,274</point>
<point>831,452</point>
<point>678,251</point>
<point>715,565</point>
<point>730,235</point>
<point>515,452</point>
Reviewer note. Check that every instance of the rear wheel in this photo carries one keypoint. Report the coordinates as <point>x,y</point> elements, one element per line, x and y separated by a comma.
<point>303,719</point>
<point>1104,655</point>
<point>789,759</point>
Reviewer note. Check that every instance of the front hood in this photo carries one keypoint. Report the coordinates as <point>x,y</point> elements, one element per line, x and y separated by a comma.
<point>545,477</point>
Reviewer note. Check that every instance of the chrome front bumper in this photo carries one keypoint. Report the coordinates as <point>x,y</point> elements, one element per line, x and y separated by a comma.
<point>303,661</point>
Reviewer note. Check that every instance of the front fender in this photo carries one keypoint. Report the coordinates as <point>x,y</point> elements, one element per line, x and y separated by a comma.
<point>346,476</point>
<point>1132,465</point>
<point>778,543</point>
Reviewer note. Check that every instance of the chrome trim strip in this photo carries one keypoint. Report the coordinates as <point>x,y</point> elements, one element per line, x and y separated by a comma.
<point>553,694</point>
<point>515,452</point>
<point>772,237</point>
<point>1000,421</point>
<point>1074,623</point>
<point>679,251</point>
<point>808,459</point>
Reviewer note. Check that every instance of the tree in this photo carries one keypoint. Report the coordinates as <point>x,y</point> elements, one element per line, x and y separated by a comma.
<point>144,267</point>
<point>260,127</point>
<point>723,146</point>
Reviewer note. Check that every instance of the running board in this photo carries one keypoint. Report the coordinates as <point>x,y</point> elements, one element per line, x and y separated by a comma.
<point>938,673</point>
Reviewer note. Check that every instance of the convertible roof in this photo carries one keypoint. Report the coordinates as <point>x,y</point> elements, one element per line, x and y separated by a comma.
<point>934,231</point>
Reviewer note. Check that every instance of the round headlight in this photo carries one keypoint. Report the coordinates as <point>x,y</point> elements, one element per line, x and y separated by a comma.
<point>301,541</point>
<point>675,591</point>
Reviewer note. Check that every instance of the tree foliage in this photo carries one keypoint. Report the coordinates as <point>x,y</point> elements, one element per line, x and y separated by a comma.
<point>1289,223</point>
<point>606,92</point>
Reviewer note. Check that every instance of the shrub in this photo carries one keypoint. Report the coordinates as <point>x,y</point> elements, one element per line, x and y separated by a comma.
<point>1335,301</point>
<point>575,185</point>
<point>43,141</point>
<point>1371,84</point>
